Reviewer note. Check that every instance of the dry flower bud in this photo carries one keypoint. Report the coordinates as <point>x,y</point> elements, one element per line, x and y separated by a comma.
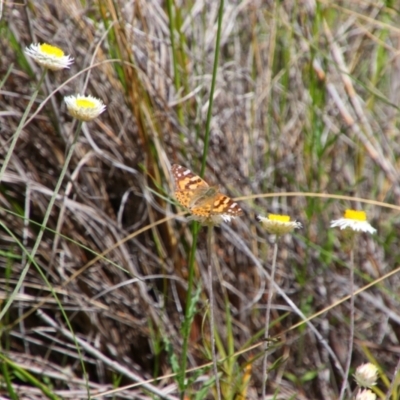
<point>366,375</point>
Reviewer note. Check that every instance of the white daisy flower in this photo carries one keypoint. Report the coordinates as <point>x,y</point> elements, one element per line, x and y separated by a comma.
<point>278,224</point>
<point>365,395</point>
<point>49,56</point>
<point>355,220</point>
<point>366,375</point>
<point>84,108</point>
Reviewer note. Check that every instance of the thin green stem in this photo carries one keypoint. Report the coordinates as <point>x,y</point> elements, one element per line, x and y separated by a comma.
<point>28,377</point>
<point>267,319</point>
<point>210,230</point>
<point>188,313</point>
<point>394,381</point>
<point>4,80</point>
<point>21,125</point>
<point>177,79</point>
<point>212,90</point>
<point>188,319</point>
<point>351,339</point>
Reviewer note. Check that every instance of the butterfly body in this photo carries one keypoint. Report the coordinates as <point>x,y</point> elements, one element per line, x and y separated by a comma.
<point>200,198</point>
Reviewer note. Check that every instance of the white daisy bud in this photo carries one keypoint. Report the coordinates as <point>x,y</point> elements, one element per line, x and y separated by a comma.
<point>366,375</point>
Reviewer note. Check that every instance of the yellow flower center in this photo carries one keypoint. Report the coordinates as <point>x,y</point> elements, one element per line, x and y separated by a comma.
<point>51,50</point>
<point>279,218</point>
<point>355,215</point>
<point>85,103</point>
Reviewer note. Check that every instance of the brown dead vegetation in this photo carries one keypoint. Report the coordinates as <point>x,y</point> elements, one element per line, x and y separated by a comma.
<point>296,109</point>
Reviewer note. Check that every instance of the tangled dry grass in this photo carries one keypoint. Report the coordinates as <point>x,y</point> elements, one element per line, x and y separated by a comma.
<point>306,100</point>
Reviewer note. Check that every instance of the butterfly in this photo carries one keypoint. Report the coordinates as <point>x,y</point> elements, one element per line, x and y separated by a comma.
<point>203,201</point>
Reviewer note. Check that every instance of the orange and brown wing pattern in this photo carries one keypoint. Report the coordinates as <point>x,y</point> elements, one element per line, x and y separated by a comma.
<point>221,205</point>
<point>186,184</point>
<point>201,199</point>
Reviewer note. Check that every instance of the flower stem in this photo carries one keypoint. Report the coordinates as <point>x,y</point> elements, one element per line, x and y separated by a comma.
<point>212,89</point>
<point>188,314</point>
<point>351,339</point>
<point>394,380</point>
<point>267,319</point>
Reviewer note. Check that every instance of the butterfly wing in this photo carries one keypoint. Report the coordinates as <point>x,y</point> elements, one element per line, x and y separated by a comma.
<point>222,205</point>
<point>186,184</point>
<point>195,194</point>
